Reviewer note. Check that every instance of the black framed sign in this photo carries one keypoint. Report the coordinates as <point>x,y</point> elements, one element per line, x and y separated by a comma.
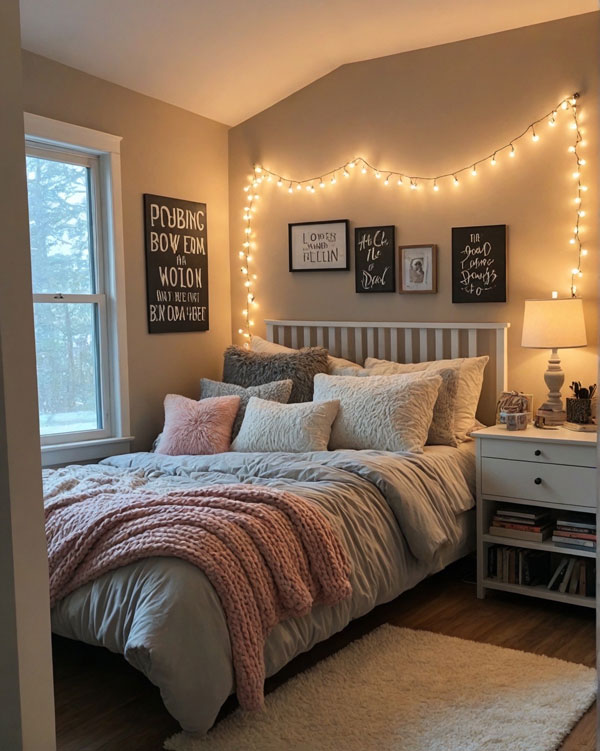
<point>479,264</point>
<point>176,264</point>
<point>374,259</point>
<point>319,246</point>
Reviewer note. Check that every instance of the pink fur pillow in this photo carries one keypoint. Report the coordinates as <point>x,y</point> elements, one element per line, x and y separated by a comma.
<point>193,427</point>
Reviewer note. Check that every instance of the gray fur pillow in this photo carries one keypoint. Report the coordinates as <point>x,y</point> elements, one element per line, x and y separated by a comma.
<point>246,368</point>
<point>277,391</point>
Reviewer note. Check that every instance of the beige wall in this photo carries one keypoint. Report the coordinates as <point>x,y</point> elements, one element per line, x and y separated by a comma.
<point>166,151</point>
<point>26,699</point>
<point>428,112</point>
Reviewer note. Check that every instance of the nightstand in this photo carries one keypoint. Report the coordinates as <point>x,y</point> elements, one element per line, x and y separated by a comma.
<point>547,469</point>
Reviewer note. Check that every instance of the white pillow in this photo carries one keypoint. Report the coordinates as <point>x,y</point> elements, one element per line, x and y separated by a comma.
<point>386,413</point>
<point>469,386</point>
<point>270,426</point>
<point>336,365</point>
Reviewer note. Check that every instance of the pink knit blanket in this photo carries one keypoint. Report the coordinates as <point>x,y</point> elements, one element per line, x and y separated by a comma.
<point>268,554</point>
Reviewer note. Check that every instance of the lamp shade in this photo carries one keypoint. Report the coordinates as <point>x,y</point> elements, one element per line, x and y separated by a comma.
<point>554,324</point>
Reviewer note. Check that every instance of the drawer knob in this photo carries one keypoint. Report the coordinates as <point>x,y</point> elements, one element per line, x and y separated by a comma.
<point>538,480</point>
<point>538,452</point>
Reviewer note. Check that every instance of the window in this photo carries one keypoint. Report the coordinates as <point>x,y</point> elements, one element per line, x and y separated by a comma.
<point>76,272</point>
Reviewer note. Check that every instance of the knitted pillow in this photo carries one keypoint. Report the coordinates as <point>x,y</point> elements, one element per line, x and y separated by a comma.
<point>269,426</point>
<point>385,413</point>
<point>193,427</point>
<point>277,391</point>
<point>246,368</point>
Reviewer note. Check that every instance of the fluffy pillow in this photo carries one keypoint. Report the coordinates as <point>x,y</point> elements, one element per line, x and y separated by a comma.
<point>269,426</point>
<point>335,365</point>
<point>470,371</point>
<point>246,368</point>
<point>277,391</point>
<point>387,413</point>
<point>193,427</point>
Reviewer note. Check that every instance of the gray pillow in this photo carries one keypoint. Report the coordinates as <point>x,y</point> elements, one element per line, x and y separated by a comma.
<point>246,368</point>
<point>277,391</point>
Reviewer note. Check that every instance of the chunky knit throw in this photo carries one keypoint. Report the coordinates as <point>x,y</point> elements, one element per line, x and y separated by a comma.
<point>269,554</point>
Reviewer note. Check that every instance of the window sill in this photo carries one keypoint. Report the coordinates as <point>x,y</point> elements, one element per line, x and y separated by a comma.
<point>84,451</point>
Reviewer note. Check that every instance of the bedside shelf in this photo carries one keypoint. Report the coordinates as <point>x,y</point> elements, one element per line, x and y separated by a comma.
<point>531,545</point>
<point>541,591</point>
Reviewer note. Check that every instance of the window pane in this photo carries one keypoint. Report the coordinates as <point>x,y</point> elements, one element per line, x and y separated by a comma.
<point>59,227</point>
<point>67,372</point>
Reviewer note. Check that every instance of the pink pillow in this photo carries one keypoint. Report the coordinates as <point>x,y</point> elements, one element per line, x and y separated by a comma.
<point>193,427</point>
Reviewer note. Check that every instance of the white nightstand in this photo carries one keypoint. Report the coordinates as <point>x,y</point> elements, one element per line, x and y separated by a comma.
<point>553,469</point>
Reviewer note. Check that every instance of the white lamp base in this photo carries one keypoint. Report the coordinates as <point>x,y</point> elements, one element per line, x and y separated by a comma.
<point>552,409</point>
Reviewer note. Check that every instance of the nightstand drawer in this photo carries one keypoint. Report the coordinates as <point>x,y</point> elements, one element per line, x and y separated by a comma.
<point>539,451</point>
<point>548,483</point>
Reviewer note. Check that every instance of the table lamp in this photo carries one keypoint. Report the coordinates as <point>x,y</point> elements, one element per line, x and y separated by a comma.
<point>554,325</point>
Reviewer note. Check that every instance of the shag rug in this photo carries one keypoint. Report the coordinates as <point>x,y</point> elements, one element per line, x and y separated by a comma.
<point>402,690</point>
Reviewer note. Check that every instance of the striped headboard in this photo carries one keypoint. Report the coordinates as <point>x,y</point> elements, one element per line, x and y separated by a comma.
<point>406,342</point>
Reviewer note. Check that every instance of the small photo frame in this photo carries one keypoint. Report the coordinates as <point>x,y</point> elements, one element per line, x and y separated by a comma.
<point>418,269</point>
<point>319,246</point>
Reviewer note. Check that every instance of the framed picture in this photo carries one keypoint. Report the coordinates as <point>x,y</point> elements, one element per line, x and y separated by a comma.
<point>319,246</point>
<point>479,264</point>
<point>418,269</point>
<point>374,259</point>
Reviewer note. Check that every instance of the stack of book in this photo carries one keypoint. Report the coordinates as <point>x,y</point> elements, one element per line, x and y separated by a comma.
<point>576,531</point>
<point>518,565</point>
<point>521,523</point>
<point>575,576</point>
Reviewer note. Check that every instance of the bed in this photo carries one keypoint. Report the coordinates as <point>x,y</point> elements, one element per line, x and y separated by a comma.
<point>401,517</point>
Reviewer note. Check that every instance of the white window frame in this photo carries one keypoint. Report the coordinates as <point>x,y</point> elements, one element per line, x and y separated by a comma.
<point>104,151</point>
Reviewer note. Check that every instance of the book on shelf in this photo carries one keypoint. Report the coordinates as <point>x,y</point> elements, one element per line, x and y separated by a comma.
<point>575,545</point>
<point>558,572</point>
<point>524,514</point>
<point>569,534</point>
<point>520,534</point>
<point>564,582</point>
<point>498,521</point>
<point>518,565</point>
<point>574,576</point>
<point>577,520</point>
<point>574,581</point>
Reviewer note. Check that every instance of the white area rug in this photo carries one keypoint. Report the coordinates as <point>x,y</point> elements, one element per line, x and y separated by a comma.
<point>403,690</point>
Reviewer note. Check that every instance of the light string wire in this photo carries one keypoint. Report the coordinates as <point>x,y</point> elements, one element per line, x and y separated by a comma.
<point>262,174</point>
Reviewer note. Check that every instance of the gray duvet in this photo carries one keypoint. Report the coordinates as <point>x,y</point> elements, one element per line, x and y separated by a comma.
<point>395,513</point>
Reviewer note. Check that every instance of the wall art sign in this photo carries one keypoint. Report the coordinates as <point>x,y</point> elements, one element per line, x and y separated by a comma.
<point>418,269</point>
<point>319,246</point>
<point>479,264</point>
<point>176,264</point>
<point>374,259</point>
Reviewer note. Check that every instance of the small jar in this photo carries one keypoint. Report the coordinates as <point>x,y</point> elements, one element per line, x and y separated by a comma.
<point>516,421</point>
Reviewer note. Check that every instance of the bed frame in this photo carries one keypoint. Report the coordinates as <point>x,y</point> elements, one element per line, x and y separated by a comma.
<point>406,342</point>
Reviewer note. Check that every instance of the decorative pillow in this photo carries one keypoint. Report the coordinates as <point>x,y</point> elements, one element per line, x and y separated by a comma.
<point>193,427</point>
<point>386,413</point>
<point>277,391</point>
<point>335,365</point>
<point>469,386</point>
<point>269,426</point>
<point>246,368</point>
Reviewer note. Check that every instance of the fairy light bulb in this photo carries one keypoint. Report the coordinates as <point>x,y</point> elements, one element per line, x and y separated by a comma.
<point>400,183</point>
<point>574,272</point>
<point>436,187</point>
<point>413,185</point>
<point>576,175</point>
<point>298,187</point>
<point>584,252</point>
<point>552,120</point>
<point>578,199</point>
<point>571,149</point>
<point>364,170</point>
<point>270,178</point>
<point>493,161</point>
<point>241,254</point>
<point>351,165</point>
<point>256,197</point>
<point>581,213</point>
<point>474,171</point>
<point>321,183</point>
<point>534,135</point>
<point>378,175</point>
<point>279,183</point>
<point>290,189</point>
<point>455,181</point>
<point>346,173</point>
<point>244,270</point>
<point>240,331</point>
<point>564,105</point>
<point>581,161</point>
<point>386,181</point>
<point>554,294</point>
<point>583,187</point>
<point>572,241</point>
<point>333,180</point>
<point>247,230</point>
<point>246,188</point>
<point>246,284</point>
<point>512,151</point>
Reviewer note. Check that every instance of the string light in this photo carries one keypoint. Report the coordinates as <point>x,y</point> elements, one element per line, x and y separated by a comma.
<point>260,173</point>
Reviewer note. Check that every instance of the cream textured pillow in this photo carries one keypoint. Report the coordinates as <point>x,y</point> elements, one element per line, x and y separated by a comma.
<point>336,365</point>
<point>470,371</point>
<point>270,426</point>
<point>386,413</point>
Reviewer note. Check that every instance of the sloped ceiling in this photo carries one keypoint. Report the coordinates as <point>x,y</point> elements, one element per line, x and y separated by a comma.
<point>229,59</point>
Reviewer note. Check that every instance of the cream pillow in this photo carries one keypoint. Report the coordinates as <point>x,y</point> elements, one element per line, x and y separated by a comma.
<point>387,413</point>
<point>271,426</point>
<point>470,371</point>
<point>335,365</point>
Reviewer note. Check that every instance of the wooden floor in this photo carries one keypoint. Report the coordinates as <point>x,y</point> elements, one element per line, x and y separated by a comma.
<point>103,704</point>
